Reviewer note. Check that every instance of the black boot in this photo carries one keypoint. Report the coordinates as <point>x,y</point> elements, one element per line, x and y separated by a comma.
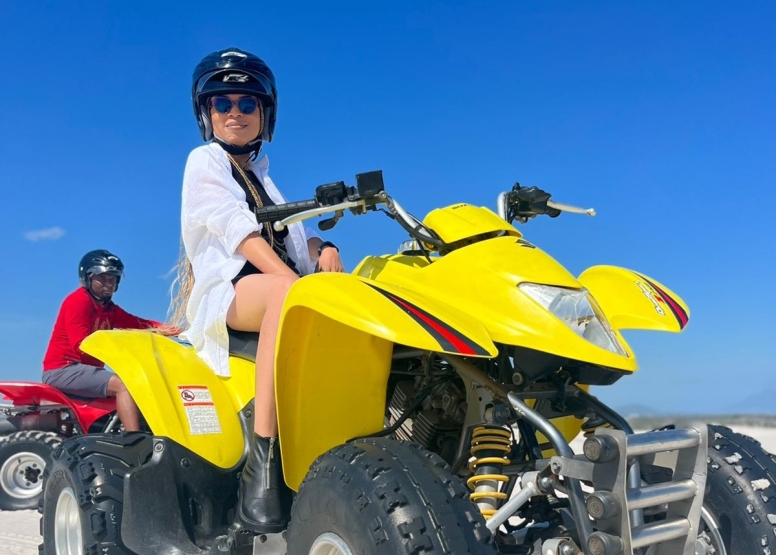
<point>259,509</point>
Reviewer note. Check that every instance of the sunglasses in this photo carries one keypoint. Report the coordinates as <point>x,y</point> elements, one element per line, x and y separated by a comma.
<point>223,104</point>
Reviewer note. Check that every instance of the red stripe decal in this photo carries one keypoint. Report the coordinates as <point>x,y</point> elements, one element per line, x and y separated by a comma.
<point>676,308</point>
<point>462,347</point>
<point>680,313</point>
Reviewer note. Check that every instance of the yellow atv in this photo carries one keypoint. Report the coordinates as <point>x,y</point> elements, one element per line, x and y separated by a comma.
<point>425,406</point>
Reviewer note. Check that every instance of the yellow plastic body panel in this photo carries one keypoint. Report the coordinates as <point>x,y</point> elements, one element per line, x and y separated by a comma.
<point>482,279</point>
<point>634,301</point>
<point>462,221</point>
<point>330,387</point>
<point>241,385</point>
<point>355,302</point>
<point>179,395</point>
<point>334,356</point>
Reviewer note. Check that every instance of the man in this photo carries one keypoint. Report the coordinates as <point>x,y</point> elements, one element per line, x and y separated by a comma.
<point>88,309</point>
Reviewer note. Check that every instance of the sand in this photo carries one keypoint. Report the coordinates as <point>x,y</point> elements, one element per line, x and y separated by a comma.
<point>20,530</point>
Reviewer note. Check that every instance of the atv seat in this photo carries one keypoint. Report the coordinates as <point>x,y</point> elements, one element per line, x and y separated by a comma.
<point>36,395</point>
<point>243,344</point>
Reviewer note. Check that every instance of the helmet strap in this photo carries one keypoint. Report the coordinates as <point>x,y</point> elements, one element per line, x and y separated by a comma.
<point>253,148</point>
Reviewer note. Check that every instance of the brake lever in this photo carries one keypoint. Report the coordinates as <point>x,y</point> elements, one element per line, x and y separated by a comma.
<point>573,209</point>
<point>327,224</point>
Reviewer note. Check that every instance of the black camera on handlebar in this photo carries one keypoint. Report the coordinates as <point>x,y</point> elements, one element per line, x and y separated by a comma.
<point>527,202</point>
<point>368,185</point>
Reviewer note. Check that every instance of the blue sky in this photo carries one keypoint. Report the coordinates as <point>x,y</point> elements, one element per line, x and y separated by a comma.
<point>659,114</point>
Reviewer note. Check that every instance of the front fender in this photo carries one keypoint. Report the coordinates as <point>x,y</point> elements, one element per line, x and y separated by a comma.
<point>632,300</point>
<point>393,313</point>
<point>334,354</point>
<point>178,394</point>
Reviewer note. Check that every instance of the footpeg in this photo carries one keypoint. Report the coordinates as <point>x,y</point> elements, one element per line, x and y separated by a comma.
<point>270,544</point>
<point>239,541</point>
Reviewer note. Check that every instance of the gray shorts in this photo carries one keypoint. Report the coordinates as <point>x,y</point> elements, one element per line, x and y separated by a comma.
<point>80,380</point>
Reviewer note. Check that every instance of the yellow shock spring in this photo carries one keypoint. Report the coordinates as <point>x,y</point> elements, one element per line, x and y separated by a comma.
<point>489,447</point>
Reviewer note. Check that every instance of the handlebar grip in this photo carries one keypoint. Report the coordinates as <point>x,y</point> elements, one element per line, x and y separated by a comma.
<point>267,214</point>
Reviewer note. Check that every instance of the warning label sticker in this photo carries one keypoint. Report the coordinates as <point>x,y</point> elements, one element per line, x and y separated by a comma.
<point>200,409</point>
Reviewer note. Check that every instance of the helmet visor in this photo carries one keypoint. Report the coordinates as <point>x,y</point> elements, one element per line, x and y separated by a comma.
<point>112,270</point>
<point>226,81</point>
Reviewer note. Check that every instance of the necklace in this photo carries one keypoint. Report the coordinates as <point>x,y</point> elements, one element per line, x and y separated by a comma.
<point>255,195</point>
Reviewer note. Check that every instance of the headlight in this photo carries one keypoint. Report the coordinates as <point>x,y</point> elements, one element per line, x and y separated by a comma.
<point>578,310</point>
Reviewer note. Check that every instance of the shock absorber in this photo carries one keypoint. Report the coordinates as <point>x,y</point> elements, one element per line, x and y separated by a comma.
<point>592,423</point>
<point>490,446</point>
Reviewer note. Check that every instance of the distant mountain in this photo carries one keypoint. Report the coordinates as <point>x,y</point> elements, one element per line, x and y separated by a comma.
<point>634,409</point>
<point>762,402</point>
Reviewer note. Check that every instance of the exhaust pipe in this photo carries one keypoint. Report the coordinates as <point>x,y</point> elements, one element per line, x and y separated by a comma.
<point>48,422</point>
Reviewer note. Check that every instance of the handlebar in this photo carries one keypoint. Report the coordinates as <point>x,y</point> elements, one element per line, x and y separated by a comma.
<point>521,203</point>
<point>316,210</point>
<point>335,198</point>
<point>411,224</point>
<point>267,214</point>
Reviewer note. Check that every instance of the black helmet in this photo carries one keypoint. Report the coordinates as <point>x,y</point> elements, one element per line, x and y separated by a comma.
<point>234,71</point>
<point>99,262</point>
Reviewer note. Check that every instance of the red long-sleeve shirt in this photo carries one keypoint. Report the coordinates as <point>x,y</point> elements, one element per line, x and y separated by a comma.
<point>78,317</point>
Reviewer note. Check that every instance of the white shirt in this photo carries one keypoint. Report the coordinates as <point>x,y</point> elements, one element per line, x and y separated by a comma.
<point>214,220</point>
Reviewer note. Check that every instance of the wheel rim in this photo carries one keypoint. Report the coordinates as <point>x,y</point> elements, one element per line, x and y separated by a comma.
<point>21,476</point>
<point>710,540</point>
<point>330,544</point>
<point>67,524</point>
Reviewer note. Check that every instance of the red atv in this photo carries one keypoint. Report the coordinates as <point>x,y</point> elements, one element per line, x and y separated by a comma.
<point>38,419</point>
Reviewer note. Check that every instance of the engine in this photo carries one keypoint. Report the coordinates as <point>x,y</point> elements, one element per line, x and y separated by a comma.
<point>437,423</point>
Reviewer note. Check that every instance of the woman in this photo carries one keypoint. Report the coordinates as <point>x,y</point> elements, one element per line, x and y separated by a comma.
<point>237,272</point>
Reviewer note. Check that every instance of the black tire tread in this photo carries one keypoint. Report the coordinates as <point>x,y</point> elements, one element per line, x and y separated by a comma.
<point>747,513</point>
<point>96,465</point>
<point>406,496</point>
<point>51,439</point>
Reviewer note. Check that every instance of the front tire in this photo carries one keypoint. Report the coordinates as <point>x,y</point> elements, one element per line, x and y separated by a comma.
<point>382,497</point>
<point>83,493</point>
<point>23,459</point>
<point>739,507</point>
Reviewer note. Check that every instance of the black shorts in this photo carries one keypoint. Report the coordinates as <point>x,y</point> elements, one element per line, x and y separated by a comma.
<point>238,278</point>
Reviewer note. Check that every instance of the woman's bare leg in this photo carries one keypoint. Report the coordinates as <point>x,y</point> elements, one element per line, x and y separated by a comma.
<point>256,307</point>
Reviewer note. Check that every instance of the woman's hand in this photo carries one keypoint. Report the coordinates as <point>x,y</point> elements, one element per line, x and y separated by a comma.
<point>330,261</point>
